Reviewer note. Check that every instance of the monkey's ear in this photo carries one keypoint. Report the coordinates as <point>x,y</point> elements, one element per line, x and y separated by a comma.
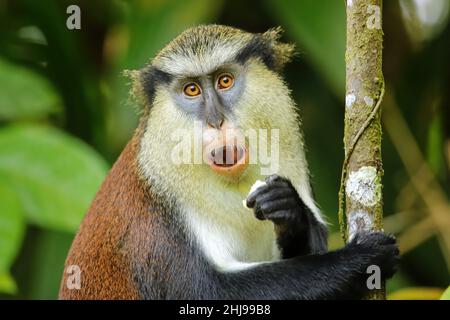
<point>137,95</point>
<point>282,52</point>
<point>135,78</point>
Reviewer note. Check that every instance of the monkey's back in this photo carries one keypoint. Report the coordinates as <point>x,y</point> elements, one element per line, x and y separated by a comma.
<point>101,250</point>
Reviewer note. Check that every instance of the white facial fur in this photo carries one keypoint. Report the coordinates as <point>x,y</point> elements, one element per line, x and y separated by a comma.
<point>230,236</point>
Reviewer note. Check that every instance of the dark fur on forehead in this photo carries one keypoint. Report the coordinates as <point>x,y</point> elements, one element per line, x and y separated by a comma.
<point>150,77</point>
<point>257,48</point>
<point>282,53</point>
<point>266,46</point>
<point>145,82</point>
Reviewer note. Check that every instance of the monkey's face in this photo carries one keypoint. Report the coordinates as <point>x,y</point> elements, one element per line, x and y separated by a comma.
<point>211,99</point>
<point>214,90</point>
<point>211,90</point>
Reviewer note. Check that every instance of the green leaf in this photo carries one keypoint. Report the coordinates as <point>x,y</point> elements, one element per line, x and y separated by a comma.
<point>24,93</point>
<point>319,28</point>
<point>40,265</point>
<point>55,175</point>
<point>12,226</point>
<point>446,294</point>
<point>7,284</point>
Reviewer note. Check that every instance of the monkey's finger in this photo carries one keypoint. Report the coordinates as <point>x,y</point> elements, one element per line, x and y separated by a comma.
<point>391,239</point>
<point>274,194</point>
<point>279,182</point>
<point>277,205</point>
<point>250,201</point>
<point>258,213</point>
<point>280,215</point>
<point>273,178</point>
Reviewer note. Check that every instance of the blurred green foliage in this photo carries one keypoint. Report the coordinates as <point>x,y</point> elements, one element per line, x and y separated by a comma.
<point>325,44</point>
<point>53,174</point>
<point>65,113</point>
<point>36,102</point>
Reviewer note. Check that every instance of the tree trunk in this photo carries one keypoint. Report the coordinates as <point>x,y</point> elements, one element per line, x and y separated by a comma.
<point>361,188</point>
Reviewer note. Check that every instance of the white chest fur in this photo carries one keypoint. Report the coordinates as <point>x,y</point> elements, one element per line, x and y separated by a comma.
<point>233,241</point>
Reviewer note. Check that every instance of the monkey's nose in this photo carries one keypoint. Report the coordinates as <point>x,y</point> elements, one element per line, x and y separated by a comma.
<point>215,124</point>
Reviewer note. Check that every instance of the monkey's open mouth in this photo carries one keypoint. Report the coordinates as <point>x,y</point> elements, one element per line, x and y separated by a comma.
<point>227,156</point>
<point>229,160</point>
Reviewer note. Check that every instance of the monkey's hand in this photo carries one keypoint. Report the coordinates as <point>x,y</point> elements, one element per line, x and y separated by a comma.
<point>298,231</point>
<point>374,249</point>
<point>276,200</point>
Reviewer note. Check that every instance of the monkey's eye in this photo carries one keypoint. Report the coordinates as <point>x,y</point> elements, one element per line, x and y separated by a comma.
<point>192,89</point>
<point>225,81</point>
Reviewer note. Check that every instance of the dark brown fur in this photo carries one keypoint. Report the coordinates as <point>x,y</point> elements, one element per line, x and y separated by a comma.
<point>119,214</point>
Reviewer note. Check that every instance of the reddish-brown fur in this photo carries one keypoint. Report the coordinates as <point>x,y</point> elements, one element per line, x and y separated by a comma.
<point>111,235</point>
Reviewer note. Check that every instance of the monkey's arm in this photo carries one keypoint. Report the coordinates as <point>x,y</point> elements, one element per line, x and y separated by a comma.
<point>335,275</point>
<point>166,264</point>
<point>298,231</point>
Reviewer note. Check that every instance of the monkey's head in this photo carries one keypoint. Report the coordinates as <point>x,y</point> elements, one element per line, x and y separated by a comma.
<point>219,90</point>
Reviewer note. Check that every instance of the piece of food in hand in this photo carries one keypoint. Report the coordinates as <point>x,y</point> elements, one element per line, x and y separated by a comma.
<point>256,185</point>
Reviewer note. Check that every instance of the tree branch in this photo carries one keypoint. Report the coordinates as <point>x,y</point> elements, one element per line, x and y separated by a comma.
<point>361,189</point>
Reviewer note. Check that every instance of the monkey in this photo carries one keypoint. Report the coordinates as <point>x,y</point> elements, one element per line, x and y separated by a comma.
<point>158,229</point>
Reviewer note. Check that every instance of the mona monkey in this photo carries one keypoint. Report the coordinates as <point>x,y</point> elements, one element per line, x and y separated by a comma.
<point>159,230</point>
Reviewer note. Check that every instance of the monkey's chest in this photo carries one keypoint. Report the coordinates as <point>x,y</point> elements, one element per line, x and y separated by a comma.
<point>236,242</point>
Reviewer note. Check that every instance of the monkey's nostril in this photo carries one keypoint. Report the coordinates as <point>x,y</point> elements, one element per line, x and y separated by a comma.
<point>215,124</point>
